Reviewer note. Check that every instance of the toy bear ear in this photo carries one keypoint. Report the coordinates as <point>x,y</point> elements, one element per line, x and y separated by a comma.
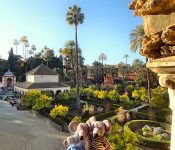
<point>73,126</point>
<point>90,121</point>
<point>65,142</point>
<point>108,126</point>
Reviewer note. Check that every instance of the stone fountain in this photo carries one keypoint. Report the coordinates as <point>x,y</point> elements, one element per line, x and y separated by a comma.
<point>159,44</point>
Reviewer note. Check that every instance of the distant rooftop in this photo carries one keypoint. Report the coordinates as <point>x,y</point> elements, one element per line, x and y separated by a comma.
<point>41,70</point>
<point>9,73</point>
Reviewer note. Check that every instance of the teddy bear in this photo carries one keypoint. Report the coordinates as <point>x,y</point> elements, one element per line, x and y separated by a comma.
<point>73,142</point>
<point>82,131</point>
<point>98,129</point>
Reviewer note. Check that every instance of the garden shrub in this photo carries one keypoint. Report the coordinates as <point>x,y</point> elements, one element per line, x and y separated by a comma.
<point>159,98</point>
<point>121,116</point>
<point>36,100</point>
<point>95,93</point>
<point>124,98</point>
<point>43,102</point>
<point>77,119</point>
<point>140,94</point>
<point>59,111</point>
<point>102,94</point>
<point>113,95</point>
<point>123,140</point>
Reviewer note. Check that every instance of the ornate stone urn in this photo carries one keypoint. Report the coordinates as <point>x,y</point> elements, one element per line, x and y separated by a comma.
<point>159,44</point>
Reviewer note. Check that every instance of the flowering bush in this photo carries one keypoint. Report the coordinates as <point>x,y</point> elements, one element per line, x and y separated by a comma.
<point>102,95</point>
<point>77,119</point>
<point>95,93</point>
<point>124,98</point>
<point>36,100</point>
<point>140,94</point>
<point>113,95</point>
<point>58,111</point>
<point>42,102</point>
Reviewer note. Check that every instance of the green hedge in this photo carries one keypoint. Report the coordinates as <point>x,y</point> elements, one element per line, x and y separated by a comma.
<point>147,116</point>
<point>149,142</point>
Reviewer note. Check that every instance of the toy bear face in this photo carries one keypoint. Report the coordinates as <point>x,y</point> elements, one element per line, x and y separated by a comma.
<point>82,129</point>
<point>99,128</point>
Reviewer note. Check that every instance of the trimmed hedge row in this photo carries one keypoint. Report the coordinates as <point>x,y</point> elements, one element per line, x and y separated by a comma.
<point>147,116</point>
<point>151,143</point>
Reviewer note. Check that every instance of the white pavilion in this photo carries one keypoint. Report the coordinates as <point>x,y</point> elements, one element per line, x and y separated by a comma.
<point>41,78</point>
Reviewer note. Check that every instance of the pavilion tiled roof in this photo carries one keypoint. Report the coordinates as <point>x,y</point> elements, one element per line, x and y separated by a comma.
<point>29,85</point>
<point>41,70</point>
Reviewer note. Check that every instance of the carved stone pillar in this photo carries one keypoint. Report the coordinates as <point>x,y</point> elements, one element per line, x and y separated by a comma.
<point>165,67</point>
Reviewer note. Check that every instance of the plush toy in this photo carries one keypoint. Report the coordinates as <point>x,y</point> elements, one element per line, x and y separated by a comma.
<point>82,130</point>
<point>73,142</point>
<point>97,134</point>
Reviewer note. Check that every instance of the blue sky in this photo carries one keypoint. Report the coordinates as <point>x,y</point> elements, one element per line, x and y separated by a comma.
<point>105,29</point>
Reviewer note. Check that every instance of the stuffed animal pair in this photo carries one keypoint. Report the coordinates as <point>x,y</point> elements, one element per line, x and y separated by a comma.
<point>91,134</point>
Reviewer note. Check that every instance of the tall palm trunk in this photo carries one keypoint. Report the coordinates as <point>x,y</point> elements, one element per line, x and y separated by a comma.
<point>148,82</point>
<point>73,68</point>
<point>16,50</point>
<point>47,63</point>
<point>77,71</point>
<point>23,52</point>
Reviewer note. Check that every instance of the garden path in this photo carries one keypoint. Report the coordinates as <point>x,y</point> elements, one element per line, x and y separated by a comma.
<point>21,130</point>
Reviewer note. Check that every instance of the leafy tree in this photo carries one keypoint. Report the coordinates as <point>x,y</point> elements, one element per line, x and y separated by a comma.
<point>48,54</point>
<point>102,57</point>
<point>141,78</point>
<point>126,56</point>
<point>3,67</point>
<point>137,65</point>
<point>159,97</point>
<point>59,111</point>
<point>97,72</point>
<point>75,17</point>
<point>123,70</point>
<point>11,61</point>
<point>136,36</point>
<point>16,43</point>
<point>24,40</point>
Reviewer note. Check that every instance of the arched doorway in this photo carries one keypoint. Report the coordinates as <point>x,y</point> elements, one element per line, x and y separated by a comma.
<point>9,82</point>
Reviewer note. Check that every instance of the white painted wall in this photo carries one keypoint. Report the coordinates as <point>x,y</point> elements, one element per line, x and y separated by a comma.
<point>30,78</point>
<point>42,78</point>
<point>46,78</point>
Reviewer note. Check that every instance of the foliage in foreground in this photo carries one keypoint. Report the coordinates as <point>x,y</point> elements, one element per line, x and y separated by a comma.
<point>159,97</point>
<point>123,140</point>
<point>36,100</point>
<point>59,111</point>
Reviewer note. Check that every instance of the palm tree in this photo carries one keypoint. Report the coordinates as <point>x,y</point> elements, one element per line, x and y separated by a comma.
<point>126,56</point>
<point>24,40</point>
<point>16,43</point>
<point>102,57</point>
<point>75,17</point>
<point>33,48</point>
<point>27,45</point>
<point>136,36</point>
